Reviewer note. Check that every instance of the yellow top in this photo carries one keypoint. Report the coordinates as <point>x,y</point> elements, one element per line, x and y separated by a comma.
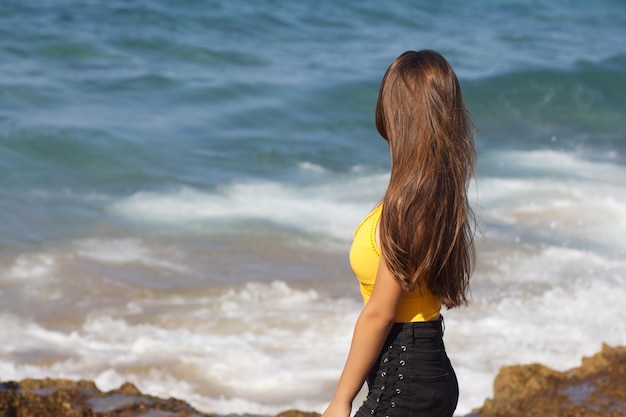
<point>364,259</point>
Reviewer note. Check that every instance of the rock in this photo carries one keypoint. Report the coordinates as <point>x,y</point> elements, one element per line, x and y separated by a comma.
<point>595,389</point>
<point>65,398</point>
<point>128,389</point>
<point>297,413</point>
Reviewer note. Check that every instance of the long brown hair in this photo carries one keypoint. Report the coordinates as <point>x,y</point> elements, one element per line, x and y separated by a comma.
<point>427,225</point>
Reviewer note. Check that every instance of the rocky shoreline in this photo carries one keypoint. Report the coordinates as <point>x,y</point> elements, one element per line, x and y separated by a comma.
<point>595,389</point>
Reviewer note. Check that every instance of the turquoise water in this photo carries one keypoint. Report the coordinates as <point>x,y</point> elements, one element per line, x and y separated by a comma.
<point>164,165</point>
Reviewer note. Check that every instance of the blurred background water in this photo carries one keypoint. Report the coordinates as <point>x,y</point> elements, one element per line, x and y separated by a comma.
<point>179,184</point>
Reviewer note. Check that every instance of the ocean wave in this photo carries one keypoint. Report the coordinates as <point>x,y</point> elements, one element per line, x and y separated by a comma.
<point>554,197</point>
<point>332,208</point>
<point>264,337</point>
<point>554,108</point>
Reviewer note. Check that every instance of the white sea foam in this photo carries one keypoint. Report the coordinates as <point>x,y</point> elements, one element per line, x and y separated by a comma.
<point>31,274</point>
<point>309,166</point>
<point>555,328</point>
<point>332,208</point>
<point>233,351</point>
<point>113,251</point>
<point>557,164</point>
<point>552,196</point>
<point>256,348</point>
<point>548,305</point>
<point>122,251</point>
<point>32,268</point>
<point>234,367</point>
<point>585,208</point>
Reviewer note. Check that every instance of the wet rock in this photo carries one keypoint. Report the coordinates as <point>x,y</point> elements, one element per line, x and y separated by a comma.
<point>596,389</point>
<point>64,398</point>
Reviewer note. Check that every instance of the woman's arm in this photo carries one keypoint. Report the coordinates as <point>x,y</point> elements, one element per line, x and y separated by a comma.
<point>370,332</point>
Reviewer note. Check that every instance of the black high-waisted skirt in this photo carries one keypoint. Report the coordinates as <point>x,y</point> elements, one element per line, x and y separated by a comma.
<point>413,376</point>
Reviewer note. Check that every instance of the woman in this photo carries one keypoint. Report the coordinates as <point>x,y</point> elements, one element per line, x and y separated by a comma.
<point>414,251</point>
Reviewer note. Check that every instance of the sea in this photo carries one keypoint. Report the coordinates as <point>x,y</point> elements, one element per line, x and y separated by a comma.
<point>180,182</point>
